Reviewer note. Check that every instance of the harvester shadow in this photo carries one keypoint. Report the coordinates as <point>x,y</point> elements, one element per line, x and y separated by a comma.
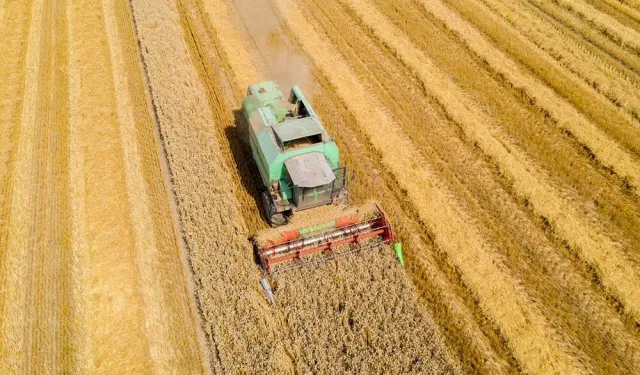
<point>238,137</point>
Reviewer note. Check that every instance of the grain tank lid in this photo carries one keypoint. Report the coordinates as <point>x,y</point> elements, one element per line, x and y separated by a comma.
<point>309,170</point>
<point>298,128</point>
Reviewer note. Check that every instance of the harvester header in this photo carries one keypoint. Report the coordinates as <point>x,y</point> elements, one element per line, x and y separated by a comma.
<point>350,233</point>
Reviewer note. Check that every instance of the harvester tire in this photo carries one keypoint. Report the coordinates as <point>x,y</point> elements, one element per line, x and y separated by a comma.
<point>274,218</point>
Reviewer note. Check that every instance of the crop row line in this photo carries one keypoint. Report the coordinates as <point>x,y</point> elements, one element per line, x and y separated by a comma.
<point>613,85</point>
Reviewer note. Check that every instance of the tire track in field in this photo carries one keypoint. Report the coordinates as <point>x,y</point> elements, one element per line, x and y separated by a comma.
<point>503,222</point>
<point>452,232</point>
<point>616,272</point>
<point>36,320</point>
<point>16,30</point>
<point>614,86</point>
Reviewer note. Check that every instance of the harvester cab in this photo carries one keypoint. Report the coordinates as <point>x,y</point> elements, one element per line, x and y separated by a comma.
<point>299,167</point>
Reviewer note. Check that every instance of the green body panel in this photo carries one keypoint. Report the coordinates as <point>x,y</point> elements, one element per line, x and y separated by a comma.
<point>265,107</point>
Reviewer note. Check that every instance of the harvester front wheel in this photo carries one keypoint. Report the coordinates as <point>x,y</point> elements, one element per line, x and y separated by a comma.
<point>274,218</point>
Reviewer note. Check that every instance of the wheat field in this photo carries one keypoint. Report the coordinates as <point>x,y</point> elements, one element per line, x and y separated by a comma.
<point>501,137</point>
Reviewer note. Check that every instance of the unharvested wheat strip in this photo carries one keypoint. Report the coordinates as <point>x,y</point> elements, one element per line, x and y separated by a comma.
<point>573,56</point>
<point>608,152</point>
<point>617,273</point>
<point>169,344</point>
<point>19,237</point>
<point>626,35</point>
<point>525,329</point>
<point>117,339</point>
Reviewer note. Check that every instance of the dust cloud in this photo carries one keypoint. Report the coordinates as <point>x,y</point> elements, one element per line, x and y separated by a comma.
<point>283,64</point>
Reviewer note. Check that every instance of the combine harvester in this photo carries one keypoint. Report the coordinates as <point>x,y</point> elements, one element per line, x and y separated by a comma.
<point>299,166</point>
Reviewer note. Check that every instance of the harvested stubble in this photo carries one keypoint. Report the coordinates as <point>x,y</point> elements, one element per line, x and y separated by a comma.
<point>598,73</point>
<point>475,342</point>
<point>583,30</point>
<point>366,312</point>
<point>617,274</point>
<point>599,196</point>
<point>450,224</point>
<point>619,33</point>
<point>613,147</point>
<point>611,263</point>
<point>618,10</point>
<point>503,219</point>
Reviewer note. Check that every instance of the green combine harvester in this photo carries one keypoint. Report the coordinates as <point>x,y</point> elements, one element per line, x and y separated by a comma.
<point>299,166</point>
<point>299,162</point>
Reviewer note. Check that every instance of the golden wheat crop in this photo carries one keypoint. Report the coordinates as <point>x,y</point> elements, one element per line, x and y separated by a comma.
<point>499,137</point>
